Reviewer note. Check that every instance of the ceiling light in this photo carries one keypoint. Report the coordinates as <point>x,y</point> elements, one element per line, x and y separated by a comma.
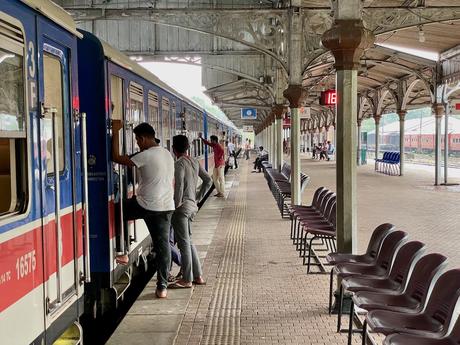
<point>421,34</point>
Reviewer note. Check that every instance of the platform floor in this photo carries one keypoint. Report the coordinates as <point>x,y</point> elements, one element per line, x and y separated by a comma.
<point>257,290</point>
<point>427,213</point>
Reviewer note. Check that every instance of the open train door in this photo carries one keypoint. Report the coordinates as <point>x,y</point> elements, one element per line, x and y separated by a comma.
<point>61,212</point>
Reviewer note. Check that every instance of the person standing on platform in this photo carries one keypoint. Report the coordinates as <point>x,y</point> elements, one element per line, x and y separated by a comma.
<point>247,148</point>
<point>219,164</point>
<point>154,201</point>
<point>232,153</point>
<point>187,170</point>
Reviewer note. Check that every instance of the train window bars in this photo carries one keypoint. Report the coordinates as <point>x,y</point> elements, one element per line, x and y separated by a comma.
<point>166,125</point>
<point>153,117</point>
<point>13,131</point>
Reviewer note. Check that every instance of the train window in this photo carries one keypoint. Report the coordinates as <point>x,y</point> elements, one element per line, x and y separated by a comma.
<point>135,115</point>
<point>12,94</point>
<point>153,117</point>
<point>13,142</point>
<point>116,97</point>
<point>136,103</point>
<point>53,99</point>
<point>165,115</point>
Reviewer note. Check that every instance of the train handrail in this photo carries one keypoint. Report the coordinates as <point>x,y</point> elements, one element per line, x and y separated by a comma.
<point>84,153</point>
<point>57,204</point>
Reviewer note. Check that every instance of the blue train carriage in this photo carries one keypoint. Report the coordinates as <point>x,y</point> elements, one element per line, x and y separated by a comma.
<point>194,122</point>
<point>42,268</point>
<point>114,87</point>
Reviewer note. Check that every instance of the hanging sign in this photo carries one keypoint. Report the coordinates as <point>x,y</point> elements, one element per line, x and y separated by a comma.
<point>248,129</point>
<point>248,113</point>
<point>328,97</point>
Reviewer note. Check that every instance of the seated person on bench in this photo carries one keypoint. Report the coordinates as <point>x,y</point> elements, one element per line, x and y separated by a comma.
<point>262,155</point>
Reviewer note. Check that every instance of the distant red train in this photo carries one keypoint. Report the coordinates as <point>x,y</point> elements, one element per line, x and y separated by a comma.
<point>416,142</point>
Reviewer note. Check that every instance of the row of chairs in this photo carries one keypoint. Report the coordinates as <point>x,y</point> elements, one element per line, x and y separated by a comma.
<point>389,164</point>
<point>280,185</point>
<point>406,293</point>
<point>313,228</point>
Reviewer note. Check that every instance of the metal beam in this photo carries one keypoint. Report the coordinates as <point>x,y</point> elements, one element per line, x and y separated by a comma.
<point>383,19</point>
<point>160,54</point>
<point>263,30</point>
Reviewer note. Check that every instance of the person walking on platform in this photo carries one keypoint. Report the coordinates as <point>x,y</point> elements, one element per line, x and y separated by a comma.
<point>155,195</point>
<point>219,164</point>
<point>186,173</point>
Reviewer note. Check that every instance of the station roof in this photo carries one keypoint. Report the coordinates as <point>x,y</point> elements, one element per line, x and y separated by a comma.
<point>240,45</point>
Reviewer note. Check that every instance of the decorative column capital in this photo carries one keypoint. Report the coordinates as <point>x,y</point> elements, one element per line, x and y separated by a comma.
<point>279,110</point>
<point>347,40</point>
<point>296,95</point>
<point>377,118</point>
<point>359,121</point>
<point>438,109</point>
<point>402,115</point>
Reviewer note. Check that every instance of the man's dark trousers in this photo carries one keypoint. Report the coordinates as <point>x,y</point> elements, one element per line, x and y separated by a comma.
<point>158,223</point>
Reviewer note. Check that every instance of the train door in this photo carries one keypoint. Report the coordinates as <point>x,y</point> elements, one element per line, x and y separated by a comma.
<point>134,116</point>
<point>119,172</point>
<point>57,179</point>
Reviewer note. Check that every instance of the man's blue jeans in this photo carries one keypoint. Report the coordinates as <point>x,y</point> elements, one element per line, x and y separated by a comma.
<point>158,223</point>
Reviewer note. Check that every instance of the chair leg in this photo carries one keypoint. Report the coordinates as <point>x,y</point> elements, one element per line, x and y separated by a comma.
<point>298,234</point>
<point>331,283</point>
<point>364,334</point>
<point>339,316</point>
<point>350,325</point>
<point>309,254</point>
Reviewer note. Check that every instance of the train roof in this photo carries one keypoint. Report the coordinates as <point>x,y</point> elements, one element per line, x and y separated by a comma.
<point>121,59</point>
<point>54,12</point>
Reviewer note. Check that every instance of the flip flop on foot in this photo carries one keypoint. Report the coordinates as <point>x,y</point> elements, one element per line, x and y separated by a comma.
<point>199,281</point>
<point>180,285</point>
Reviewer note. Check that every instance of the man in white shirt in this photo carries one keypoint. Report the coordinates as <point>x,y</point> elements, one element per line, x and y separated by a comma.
<point>231,154</point>
<point>154,201</point>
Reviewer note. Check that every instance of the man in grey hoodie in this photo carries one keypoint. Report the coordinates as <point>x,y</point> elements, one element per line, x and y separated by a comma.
<point>187,170</point>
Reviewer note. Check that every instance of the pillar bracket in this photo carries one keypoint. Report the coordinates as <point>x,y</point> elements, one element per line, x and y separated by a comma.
<point>279,110</point>
<point>347,39</point>
<point>402,114</point>
<point>438,109</point>
<point>296,95</point>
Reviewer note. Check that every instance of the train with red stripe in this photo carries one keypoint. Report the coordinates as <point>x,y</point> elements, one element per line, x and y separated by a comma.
<point>61,221</point>
<point>417,143</point>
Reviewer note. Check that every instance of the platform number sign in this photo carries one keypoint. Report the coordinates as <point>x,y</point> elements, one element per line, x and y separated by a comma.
<point>328,97</point>
<point>248,113</point>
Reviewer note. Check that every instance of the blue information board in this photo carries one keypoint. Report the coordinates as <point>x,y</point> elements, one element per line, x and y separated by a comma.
<point>249,113</point>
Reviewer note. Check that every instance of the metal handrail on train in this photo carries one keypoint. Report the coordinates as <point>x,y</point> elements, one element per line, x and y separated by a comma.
<point>84,153</point>
<point>131,125</point>
<point>57,204</point>
<point>122,250</point>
